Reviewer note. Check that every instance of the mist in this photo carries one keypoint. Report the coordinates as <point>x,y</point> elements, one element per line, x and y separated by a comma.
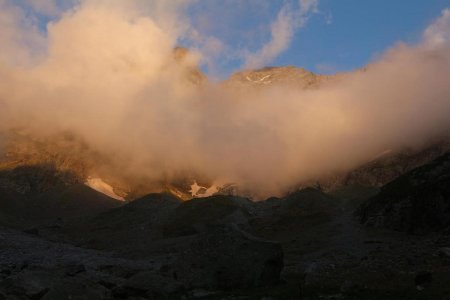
<point>106,71</point>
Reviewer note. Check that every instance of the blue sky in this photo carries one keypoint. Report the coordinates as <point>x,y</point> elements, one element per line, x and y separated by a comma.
<point>358,32</point>
<point>344,35</point>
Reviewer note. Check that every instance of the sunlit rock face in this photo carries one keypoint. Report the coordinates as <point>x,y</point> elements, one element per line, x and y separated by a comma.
<point>290,76</point>
<point>70,158</point>
<point>190,71</point>
<point>64,151</point>
<point>67,160</point>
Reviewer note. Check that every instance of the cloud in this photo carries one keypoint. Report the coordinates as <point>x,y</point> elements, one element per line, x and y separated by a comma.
<point>45,7</point>
<point>308,6</point>
<point>20,38</point>
<point>438,33</point>
<point>109,76</point>
<point>239,38</point>
<point>282,31</point>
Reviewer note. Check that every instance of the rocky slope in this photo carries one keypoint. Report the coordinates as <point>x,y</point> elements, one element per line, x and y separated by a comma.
<point>42,194</point>
<point>306,244</point>
<point>60,239</point>
<point>391,165</point>
<point>416,202</point>
<point>223,247</point>
<point>134,257</point>
<point>65,159</point>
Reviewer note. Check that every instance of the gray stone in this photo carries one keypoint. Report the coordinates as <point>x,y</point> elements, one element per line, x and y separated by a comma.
<point>445,252</point>
<point>153,284</point>
<point>77,289</point>
<point>29,283</point>
<point>225,257</point>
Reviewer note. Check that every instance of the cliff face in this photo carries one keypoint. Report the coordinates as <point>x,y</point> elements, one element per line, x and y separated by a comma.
<point>35,164</point>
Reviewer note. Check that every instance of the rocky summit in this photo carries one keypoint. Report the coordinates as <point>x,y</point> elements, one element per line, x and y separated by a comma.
<point>290,76</point>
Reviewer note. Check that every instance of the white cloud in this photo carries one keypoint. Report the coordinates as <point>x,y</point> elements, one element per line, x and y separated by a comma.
<point>438,33</point>
<point>308,6</point>
<point>21,41</point>
<point>109,78</point>
<point>288,21</point>
<point>282,31</point>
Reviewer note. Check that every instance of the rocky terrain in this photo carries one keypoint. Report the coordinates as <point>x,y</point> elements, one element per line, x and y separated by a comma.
<point>72,161</point>
<point>354,243</point>
<point>417,202</point>
<point>386,167</point>
<point>74,226</point>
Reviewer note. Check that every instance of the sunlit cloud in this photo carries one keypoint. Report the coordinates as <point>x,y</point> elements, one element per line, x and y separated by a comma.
<point>108,75</point>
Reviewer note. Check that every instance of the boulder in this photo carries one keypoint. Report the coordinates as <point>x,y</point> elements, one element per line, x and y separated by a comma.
<point>77,288</point>
<point>197,215</point>
<point>150,285</point>
<point>29,283</point>
<point>129,228</point>
<point>224,257</point>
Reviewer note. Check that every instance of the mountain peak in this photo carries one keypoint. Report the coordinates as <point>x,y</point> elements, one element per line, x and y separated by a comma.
<point>286,76</point>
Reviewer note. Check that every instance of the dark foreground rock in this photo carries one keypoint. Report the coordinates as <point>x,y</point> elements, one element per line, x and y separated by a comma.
<point>417,202</point>
<point>33,268</point>
<point>158,247</point>
<point>219,258</point>
<point>36,195</point>
<point>149,285</point>
<point>130,229</point>
<point>228,258</point>
<point>197,215</point>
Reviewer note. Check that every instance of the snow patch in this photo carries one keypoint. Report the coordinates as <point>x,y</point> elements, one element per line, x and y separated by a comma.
<point>198,191</point>
<point>260,80</point>
<point>100,186</point>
